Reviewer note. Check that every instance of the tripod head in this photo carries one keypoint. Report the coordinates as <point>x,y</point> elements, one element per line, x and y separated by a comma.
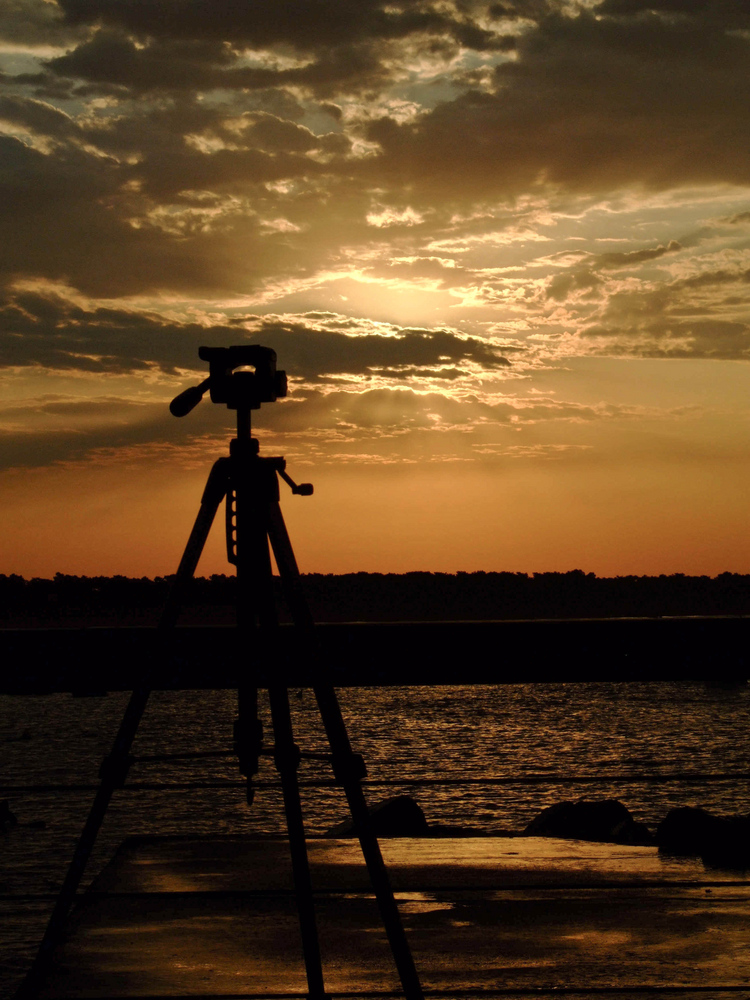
<point>239,390</point>
<point>242,391</point>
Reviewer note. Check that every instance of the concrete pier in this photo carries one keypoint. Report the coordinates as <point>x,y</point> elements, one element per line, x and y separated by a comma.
<point>216,916</point>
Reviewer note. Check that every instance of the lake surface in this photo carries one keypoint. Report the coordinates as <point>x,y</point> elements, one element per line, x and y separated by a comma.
<point>611,736</point>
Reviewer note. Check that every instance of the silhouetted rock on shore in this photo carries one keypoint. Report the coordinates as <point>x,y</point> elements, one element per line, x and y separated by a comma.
<point>720,842</point>
<point>686,831</point>
<point>606,820</point>
<point>400,816</point>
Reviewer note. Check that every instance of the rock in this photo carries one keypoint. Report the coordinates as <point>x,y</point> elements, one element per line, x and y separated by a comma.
<point>400,816</point>
<point>720,842</point>
<point>606,820</point>
<point>730,845</point>
<point>686,830</point>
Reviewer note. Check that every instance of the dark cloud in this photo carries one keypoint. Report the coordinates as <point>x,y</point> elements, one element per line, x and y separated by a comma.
<point>148,46</point>
<point>674,320</point>
<point>583,276</point>
<point>317,353</point>
<point>50,332</point>
<point>704,279</point>
<point>63,429</point>
<point>52,209</point>
<point>276,135</point>
<point>399,410</point>
<point>47,332</point>
<point>112,59</point>
<point>740,219</point>
<point>726,13</point>
<point>590,104</point>
<point>30,23</point>
<point>580,279</point>
<point>630,258</point>
<point>38,116</point>
<point>95,222</point>
<point>306,25</point>
<point>711,339</point>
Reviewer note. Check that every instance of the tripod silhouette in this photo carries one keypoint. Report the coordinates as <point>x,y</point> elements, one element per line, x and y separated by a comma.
<point>249,484</point>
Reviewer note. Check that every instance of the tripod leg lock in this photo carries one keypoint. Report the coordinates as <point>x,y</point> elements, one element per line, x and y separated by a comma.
<point>114,769</point>
<point>348,767</point>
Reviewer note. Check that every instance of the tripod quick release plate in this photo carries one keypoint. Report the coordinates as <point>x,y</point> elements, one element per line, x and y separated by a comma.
<point>238,390</point>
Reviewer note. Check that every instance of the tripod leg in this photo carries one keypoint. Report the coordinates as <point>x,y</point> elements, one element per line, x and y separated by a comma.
<point>348,766</point>
<point>213,494</point>
<point>258,619</point>
<point>115,767</point>
<point>113,772</point>
<point>287,760</point>
<point>247,548</point>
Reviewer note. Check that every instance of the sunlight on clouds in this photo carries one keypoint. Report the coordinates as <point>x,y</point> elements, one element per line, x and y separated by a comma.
<point>207,144</point>
<point>394,217</point>
<point>421,209</point>
<point>499,238</point>
<point>280,225</point>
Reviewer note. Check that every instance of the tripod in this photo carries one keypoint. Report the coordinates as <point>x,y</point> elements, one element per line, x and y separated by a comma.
<point>249,484</point>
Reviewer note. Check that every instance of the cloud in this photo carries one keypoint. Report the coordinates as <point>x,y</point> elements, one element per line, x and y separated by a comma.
<point>660,337</point>
<point>52,429</point>
<point>630,258</point>
<point>192,161</point>
<point>675,320</point>
<point>305,25</point>
<point>725,13</point>
<point>30,23</point>
<point>328,47</point>
<point>739,219</point>
<point>391,424</point>
<point>590,103</point>
<point>582,277</point>
<point>156,182</point>
<point>45,330</point>
<point>113,60</point>
<point>37,116</point>
<point>57,221</point>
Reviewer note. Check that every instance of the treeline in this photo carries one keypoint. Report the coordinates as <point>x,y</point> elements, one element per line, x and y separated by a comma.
<point>387,597</point>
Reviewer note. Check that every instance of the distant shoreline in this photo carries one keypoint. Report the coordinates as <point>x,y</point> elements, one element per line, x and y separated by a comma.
<point>77,601</point>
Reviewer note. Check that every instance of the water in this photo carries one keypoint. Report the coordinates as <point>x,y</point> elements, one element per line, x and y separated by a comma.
<point>429,733</point>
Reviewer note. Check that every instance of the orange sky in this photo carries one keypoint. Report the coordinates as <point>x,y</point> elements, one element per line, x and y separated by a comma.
<point>501,249</point>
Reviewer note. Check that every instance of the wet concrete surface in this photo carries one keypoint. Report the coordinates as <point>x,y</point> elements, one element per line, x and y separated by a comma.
<point>216,916</point>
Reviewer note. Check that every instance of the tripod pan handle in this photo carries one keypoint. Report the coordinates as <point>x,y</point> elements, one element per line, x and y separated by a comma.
<point>182,405</point>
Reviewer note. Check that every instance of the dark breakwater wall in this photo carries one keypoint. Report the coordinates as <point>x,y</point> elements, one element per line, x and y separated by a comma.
<point>95,660</point>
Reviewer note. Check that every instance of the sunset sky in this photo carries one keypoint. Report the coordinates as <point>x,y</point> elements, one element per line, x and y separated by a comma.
<point>502,250</point>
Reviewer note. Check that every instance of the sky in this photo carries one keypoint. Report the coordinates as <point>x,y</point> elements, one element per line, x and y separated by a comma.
<point>502,250</point>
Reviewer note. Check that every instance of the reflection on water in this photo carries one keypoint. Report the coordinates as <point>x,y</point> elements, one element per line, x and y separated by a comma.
<point>421,733</point>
